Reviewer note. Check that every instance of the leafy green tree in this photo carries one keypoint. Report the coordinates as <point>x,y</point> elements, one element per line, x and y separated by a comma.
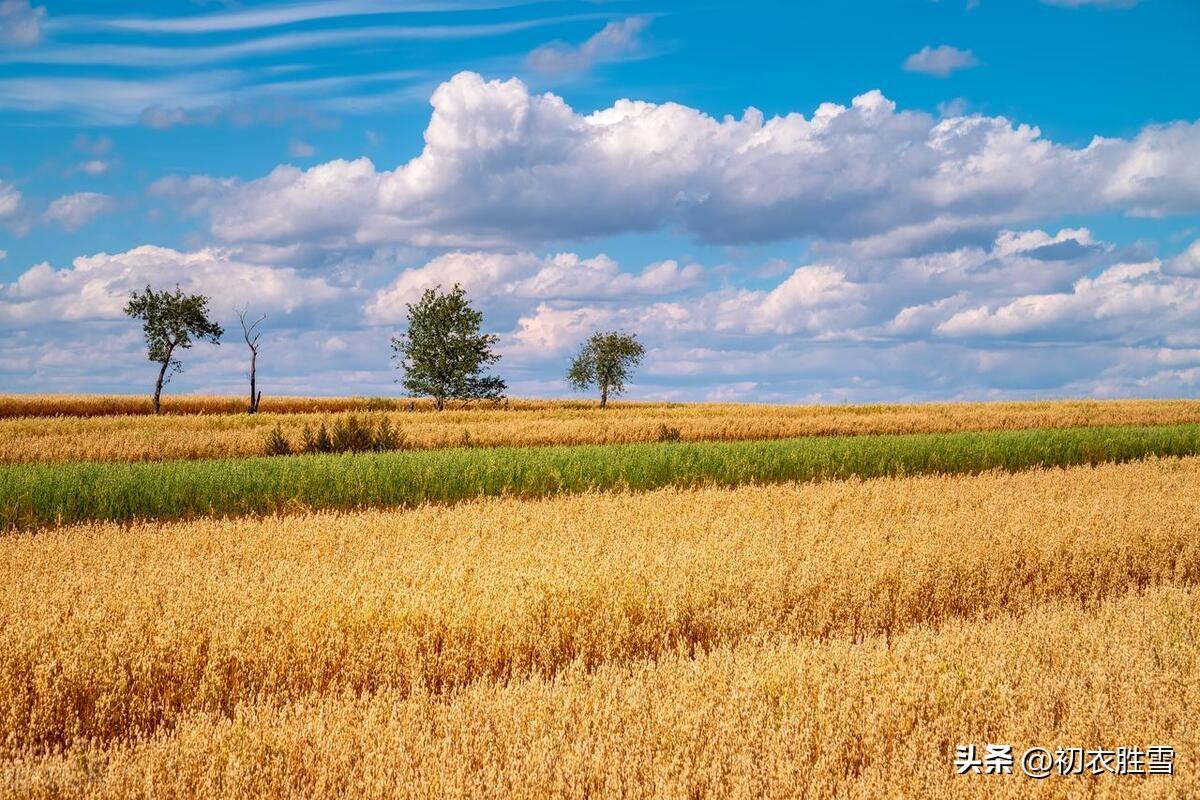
<point>171,320</point>
<point>607,361</point>
<point>442,354</point>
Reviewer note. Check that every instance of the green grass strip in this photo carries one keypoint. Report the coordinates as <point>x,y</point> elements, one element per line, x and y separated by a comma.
<point>36,495</point>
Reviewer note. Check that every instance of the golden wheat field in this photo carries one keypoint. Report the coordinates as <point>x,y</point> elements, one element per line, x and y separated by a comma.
<point>799,640</point>
<point>138,437</point>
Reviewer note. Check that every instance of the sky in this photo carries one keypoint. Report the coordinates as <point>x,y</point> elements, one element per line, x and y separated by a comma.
<point>828,201</point>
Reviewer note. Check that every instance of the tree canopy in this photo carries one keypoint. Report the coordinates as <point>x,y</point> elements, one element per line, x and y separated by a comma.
<point>442,354</point>
<point>607,361</point>
<point>170,322</point>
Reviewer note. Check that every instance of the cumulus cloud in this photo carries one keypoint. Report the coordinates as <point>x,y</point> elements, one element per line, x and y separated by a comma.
<point>502,167</point>
<point>72,211</point>
<point>1186,263</point>
<point>10,200</point>
<point>21,22</point>
<point>954,323</point>
<point>1137,302</point>
<point>615,41</point>
<point>520,278</point>
<point>96,287</point>
<point>12,209</point>
<point>940,61</point>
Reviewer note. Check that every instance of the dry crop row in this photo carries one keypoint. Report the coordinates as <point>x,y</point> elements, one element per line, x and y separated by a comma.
<point>858,720</point>
<point>530,423</point>
<point>100,405</point>
<point>108,633</point>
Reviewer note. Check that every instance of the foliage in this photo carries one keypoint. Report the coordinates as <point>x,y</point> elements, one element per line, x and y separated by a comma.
<point>316,442</point>
<point>350,434</point>
<point>276,443</point>
<point>33,495</point>
<point>667,433</point>
<point>442,354</point>
<point>607,361</point>
<point>170,321</point>
<point>387,437</point>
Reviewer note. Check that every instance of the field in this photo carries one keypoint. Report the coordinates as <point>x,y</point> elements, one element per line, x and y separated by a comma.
<point>39,494</point>
<point>216,431</point>
<point>805,617</point>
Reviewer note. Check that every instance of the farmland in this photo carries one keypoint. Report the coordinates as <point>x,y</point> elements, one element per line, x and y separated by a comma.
<point>38,494</point>
<point>111,431</point>
<point>818,616</point>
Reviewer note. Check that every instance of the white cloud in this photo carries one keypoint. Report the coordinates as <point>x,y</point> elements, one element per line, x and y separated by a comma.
<point>957,323</point>
<point>1096,3</point>
<point>21,22</point>
<point>95,166</point>
<point>1127,302</point>
<point>300,149</point>
<point>515,280</point>
<point>72,211</point>
<point>1186,263</point>
<point>503,167</point>
<point>10,200</point>
<point>13,215</point>
<point>96,287</point>
<point>615,41</point>
<point>940,61</point>
<point>3,254</point>
<point>135,55</point>
<point>250,19</point>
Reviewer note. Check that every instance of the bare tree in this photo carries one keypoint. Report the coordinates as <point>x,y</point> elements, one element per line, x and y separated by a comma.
<point>251,335</point>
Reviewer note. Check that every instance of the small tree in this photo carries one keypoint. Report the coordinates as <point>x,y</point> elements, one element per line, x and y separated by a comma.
<point>442,354</point>
<point>607,361</point>
<point>170,321</point>
<point>251,335</point>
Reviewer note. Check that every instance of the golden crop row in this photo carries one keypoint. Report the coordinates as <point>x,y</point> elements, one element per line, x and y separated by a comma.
<point>859,720</point>
<point>137,438</point>
<point>109,632</point>
<point>105,405</point>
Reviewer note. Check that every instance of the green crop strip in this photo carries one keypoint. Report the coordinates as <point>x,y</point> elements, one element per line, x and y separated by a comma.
<point>37,495</point>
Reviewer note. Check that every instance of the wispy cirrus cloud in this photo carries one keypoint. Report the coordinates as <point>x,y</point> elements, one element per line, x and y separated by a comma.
<point>283,14</point>
<point>128,55</point>
<point>1096,3</point>
<point>194,97</point>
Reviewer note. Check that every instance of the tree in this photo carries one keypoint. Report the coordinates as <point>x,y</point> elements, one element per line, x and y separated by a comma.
<point>251,335</point>
<point>443,354</point>
<point>171,320</point>
<point>607,361</point>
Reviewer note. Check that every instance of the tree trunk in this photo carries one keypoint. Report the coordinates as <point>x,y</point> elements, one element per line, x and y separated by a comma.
<point>162,372</point>
<point>603,395</point>
<point>253,398</point>
<point>440,403</point>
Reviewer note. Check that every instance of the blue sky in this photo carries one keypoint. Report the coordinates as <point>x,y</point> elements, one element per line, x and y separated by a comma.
<point>822,201</point>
